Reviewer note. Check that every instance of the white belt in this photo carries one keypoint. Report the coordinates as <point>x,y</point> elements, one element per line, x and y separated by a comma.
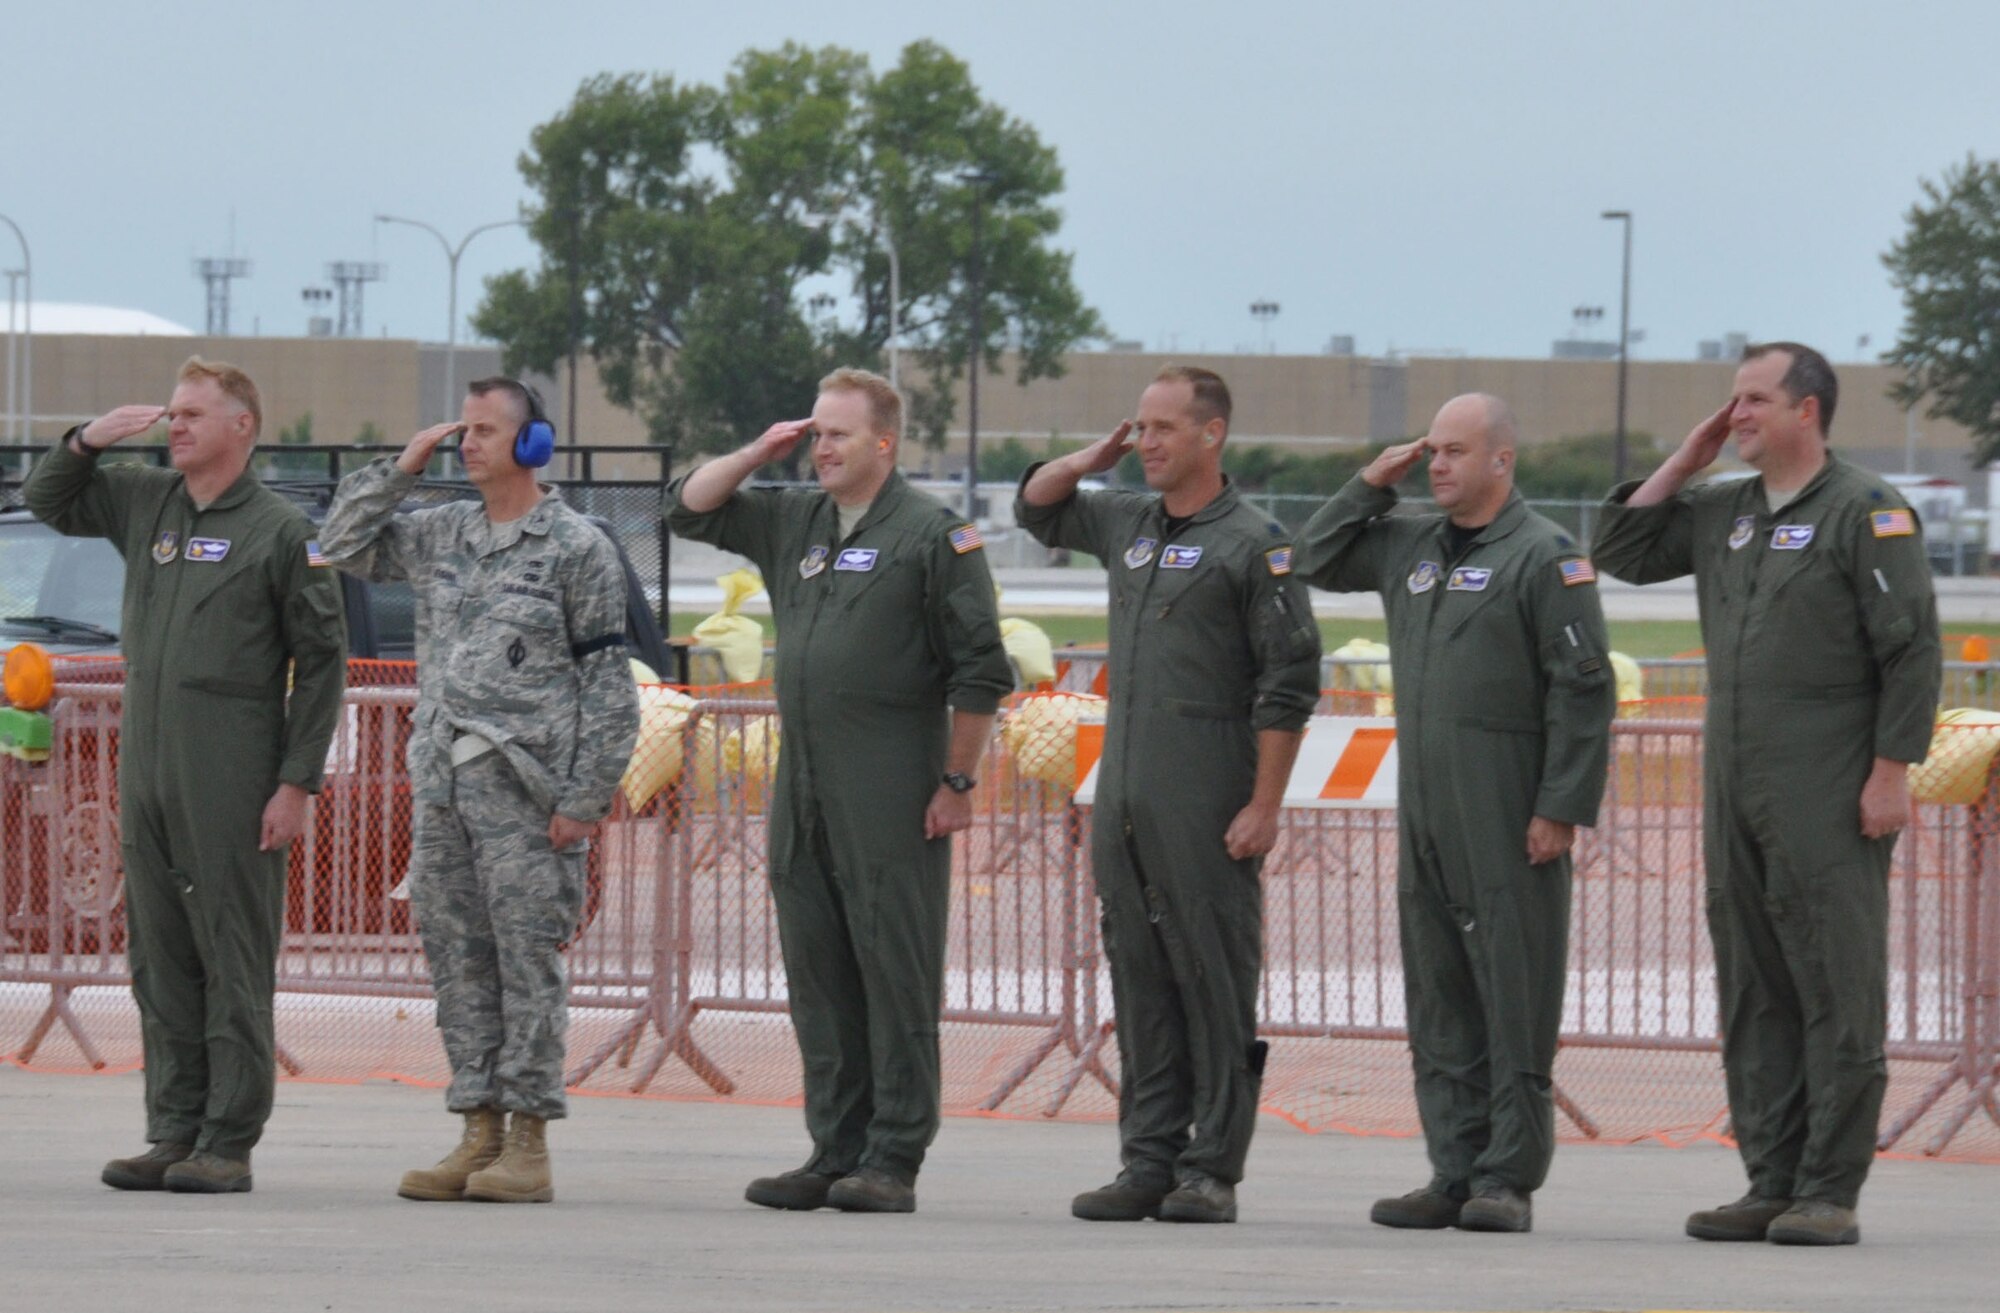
<point>469,747</point>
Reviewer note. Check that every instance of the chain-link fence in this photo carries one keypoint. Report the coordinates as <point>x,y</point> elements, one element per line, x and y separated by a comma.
<point>678,984</point>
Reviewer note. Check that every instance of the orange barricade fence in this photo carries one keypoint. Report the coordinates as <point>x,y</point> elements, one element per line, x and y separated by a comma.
<point>678,984</point>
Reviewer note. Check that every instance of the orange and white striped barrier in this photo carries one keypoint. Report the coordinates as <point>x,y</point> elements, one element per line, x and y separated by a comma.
<point>1343,762</point>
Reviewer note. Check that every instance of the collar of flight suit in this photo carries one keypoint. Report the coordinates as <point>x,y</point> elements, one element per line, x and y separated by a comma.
<point>1813,485</point>
<point>1512,512</point>
<point>234,495</point>
<point>889,496</point>
<point>1220,505</point>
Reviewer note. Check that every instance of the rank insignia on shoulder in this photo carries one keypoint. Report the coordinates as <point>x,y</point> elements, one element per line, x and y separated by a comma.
<point>1423,578</point>
<point>207,549</point>
<point>1279,559</point>
<point>166,547</point>
<point>314,556</point>
<point>1892,524</point>
<point>814,562</point>
<point>1469,579</point>
<point>857,559</point>
<point>1741,532</point>
<point>965,538</point>
<point>1791,537</point>
<point>1180,558</point>
<point>1577,570</point>
<point>1140,552</point>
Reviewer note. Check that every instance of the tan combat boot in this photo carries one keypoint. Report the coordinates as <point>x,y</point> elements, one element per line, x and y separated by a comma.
<point>521,1175</point>
<point>477,1148</point>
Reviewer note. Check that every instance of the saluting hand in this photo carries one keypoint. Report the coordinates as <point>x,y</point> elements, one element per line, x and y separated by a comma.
<point>1704,444</point>
<point>418,453</point>
<point>1107,451</point>
<point>777,442</point>
<point>120,424</point>
<point>1548,840</point>
<point>1395,463</point>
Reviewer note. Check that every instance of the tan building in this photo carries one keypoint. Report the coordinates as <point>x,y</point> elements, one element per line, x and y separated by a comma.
<point>394,386</point>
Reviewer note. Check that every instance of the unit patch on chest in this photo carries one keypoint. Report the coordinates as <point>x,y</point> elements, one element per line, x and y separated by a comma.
<point>857,559</point>
<point>1180,558</point>
<point>1469,579</point>
<point>166,547</point>
<point>207,549</point>
<point>1423,578</point>
<point>1791,537</point>
<point>1140,552</point>
<point>1741,532</point>
<point>814,562</point>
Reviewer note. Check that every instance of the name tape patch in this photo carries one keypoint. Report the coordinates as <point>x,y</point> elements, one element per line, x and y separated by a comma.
<point>1180,558</point>
<point>207,549</point>
<point>1469,579</point>
<point>1791,537</point>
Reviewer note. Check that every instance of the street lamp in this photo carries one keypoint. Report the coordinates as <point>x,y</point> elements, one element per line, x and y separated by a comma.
<point>451,255</point>
<point>1624,344</point>
<point>27,423</point>
<point>979,180</point>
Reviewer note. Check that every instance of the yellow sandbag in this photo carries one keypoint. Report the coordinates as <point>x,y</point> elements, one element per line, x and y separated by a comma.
<point>1370,671</point>
<point>659,758</point>
<point>1962,752</point>
<point>1028,647</point>
<point>1040,734</point>
<point>751,753</point>
<point>737,639</point>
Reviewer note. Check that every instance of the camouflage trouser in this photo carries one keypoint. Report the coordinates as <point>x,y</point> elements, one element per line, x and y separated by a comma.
<point>494,902</point>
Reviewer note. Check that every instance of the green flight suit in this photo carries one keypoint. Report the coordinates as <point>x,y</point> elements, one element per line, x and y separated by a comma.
<point>1823,654</point>
<point>1212,640</point>
<point>222,608</point>
<point>1504,702</point>
<point>878,634</point>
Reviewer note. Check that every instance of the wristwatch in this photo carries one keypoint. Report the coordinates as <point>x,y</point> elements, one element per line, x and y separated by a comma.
<point>959,781</point>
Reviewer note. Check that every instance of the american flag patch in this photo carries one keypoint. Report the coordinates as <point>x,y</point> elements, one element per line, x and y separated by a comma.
<point>1279,559</point>
<point>314,556</point>
<point>965,538</point>
<point>1576,571</point>
<point>1892,524</point>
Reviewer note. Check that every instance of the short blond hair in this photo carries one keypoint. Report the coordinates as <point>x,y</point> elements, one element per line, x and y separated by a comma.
<point>235,385</point>
<point>885,404</point>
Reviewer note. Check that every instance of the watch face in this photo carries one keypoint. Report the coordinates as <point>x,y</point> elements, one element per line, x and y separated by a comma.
<point>957,782</point>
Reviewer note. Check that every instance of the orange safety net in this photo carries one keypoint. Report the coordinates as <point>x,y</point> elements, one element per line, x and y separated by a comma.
<point>678,985</point>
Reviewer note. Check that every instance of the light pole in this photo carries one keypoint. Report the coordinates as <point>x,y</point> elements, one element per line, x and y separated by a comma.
<point>979,180</point>
<point>1264,312</point>
<point>1624,344</point>
<point>451,255</point>
<point>27,331</point>
<point>13,277</point>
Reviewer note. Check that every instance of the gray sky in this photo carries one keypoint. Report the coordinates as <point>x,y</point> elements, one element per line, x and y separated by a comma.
<point>1417,174</point>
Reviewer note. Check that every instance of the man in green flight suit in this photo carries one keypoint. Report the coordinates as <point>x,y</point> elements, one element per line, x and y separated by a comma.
<point>890,671</point>
<point>1824,664</point>
<point>1504,700</point>
<point>1214,670</point>
<point>227,602</point>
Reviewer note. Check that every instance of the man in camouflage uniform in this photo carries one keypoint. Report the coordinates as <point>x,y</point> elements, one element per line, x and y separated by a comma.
<point>526,717</point>
<point>890,669</point>
<point>226,599</point>
<point>1214,670</point>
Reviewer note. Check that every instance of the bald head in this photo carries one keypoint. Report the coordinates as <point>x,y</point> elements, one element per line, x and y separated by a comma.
<point>1472,443</point>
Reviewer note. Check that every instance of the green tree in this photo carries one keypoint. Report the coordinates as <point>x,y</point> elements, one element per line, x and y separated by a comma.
<point>1577,468</point>
<point>1947,267</point>
<point>682,228</point>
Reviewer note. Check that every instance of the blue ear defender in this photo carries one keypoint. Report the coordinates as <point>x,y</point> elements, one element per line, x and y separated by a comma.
<point>535,444</point>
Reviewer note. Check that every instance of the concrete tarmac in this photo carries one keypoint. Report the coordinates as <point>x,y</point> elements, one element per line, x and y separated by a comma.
<point>650,1215</point>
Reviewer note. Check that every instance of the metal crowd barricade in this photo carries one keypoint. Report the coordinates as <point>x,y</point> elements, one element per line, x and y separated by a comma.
<point>677,980</point>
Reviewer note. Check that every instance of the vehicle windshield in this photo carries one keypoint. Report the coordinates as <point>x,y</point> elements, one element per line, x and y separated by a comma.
<point>66,588</point>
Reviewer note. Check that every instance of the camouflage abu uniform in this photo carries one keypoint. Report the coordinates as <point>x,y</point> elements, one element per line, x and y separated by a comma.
<point>521,644</point>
